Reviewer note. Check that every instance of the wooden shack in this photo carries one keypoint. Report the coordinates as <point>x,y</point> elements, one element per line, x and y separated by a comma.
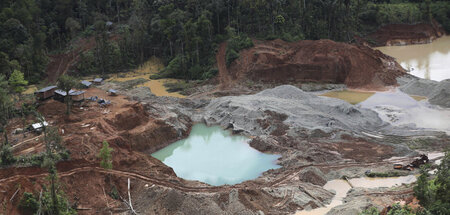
<point>46,92</point>
<point>112,92</point>
<point>86,84</point>
<point>98,81</point>
<point>77,96</point>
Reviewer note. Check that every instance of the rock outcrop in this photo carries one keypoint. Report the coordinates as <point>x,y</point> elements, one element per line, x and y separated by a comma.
<point>323,61</point>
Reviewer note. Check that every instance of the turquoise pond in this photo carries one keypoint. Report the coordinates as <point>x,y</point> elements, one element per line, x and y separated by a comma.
<point>214,156</point>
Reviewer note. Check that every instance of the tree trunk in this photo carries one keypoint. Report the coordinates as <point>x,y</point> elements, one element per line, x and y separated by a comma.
<point>6,135</point>
<point>218,22</point>
<point>53,188</point>
<point>198,54</point>
<point>118,10</point>
<point>68,100</point>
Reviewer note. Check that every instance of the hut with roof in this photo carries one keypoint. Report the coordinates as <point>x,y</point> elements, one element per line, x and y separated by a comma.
<point>98,81</point>
<point>45,92</point>
<point>86,84</point>
<point>76,95</point>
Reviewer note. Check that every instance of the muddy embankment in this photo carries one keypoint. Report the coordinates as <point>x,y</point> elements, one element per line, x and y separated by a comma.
<point>323,61</point>
<point>130,131</point>
<point>405,34</point>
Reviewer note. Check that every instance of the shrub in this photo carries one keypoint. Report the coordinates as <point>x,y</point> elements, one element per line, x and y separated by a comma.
<point>6,156</point>
<point>211,73</point>
<point>105,155</point>
<point>114,193</point>
<point>370,211</point>
<point>385,174</point>
<point>434,195</point>
<point>173,70</point>
<point>236,44</point>
<point>231,55</point>
<point>28,203</point>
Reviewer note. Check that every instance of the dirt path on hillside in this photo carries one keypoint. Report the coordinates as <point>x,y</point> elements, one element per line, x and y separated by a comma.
<point>224,76</point>
<point>60,63</point>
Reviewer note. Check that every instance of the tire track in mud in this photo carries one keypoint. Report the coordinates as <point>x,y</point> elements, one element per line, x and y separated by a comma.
<point>161,182</point>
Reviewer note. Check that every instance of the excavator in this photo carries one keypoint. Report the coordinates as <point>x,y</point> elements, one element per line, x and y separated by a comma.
<point>416,163</point>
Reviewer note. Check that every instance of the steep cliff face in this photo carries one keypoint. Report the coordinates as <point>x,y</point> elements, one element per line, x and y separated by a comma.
<point>404,34</point>
<point>322,61</point>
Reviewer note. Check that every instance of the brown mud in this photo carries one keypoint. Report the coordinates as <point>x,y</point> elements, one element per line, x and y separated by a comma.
<point>405,34</point>
<point>323,61</point>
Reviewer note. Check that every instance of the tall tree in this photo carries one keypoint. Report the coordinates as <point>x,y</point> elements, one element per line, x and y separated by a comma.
<point>5,106</point>
<point>66,83</point>
<point>17,81</point>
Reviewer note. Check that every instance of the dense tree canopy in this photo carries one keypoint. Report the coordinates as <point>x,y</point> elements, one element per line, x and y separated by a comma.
<point>183,33</point>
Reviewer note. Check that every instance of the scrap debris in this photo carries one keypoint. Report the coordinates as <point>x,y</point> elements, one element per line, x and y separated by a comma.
<point>416,163</point>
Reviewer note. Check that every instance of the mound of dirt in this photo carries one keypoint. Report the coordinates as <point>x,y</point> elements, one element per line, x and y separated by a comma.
<point>438,93</point>
<point>295,107</point>
<point>323,61</point>
<point>441,94</point>
<point>405,34</point>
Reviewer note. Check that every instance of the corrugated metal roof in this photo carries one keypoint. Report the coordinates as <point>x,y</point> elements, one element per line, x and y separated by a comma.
<point>45,89</point>
<point>76,93</point>
<point>112,91</point>
<point>98,80</point>
<point>86,83</point>
<point>71,92</point>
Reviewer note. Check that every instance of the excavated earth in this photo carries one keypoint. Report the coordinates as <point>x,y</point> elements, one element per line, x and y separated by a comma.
<point>319,138</point>
<point>322,61</point>
<point>405,34</point>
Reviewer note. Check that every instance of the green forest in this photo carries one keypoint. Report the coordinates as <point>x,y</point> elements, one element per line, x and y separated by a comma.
<point>184,33</point>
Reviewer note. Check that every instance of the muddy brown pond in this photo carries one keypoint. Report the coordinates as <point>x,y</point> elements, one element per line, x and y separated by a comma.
<point>428,61</point>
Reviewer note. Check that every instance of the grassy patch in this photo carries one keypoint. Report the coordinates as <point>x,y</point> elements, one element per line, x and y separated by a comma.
<point>130,83</point>
<point>385,174</point>
<point>180,86</point>
<point>425,143</point>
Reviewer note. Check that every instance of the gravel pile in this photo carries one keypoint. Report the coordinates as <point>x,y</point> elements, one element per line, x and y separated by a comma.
<point>303,110</point>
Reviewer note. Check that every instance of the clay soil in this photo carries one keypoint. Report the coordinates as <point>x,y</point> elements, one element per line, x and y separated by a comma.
<point>61,63</point>
<point>323,61</point>
<point>129,131</point>
<point>404,34</point>
<point>133,134</point>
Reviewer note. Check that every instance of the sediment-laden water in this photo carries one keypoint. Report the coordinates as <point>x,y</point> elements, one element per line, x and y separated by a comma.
<point>214,156</point>
<point>429,61</point>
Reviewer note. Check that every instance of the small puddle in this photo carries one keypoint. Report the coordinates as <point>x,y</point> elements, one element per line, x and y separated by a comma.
<point>341,187</point>
<point>214,156</point>
<point>354,97</point>
<point>366,182</point>
<point>350,96</point>
<point>429,61</point>
<point>156,86</point>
